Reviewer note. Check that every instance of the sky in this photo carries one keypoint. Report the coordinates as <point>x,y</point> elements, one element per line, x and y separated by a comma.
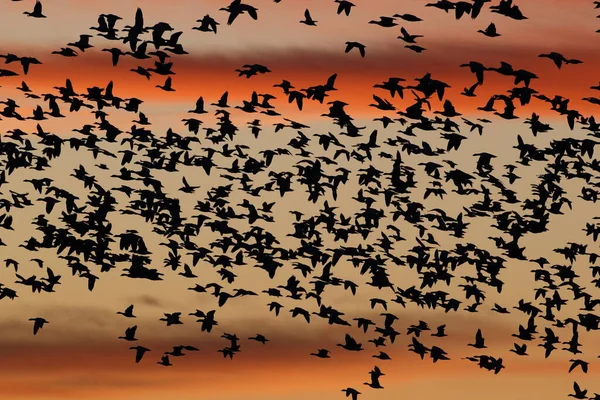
<point>77,355</point>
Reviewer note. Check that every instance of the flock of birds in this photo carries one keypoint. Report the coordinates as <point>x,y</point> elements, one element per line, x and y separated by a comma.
<point>383,167</point>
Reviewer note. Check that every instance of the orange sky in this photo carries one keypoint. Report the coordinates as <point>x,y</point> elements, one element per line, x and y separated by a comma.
<point>63,372</point>
<point>308,56</point>
<point>77,356</point>
<point>210,76</point>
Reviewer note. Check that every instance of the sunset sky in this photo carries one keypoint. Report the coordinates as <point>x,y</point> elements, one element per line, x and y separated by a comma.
<point>77,355</point>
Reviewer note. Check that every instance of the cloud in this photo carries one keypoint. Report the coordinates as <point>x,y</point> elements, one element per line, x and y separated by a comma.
<point>148,300</point>
<point>210,75</point>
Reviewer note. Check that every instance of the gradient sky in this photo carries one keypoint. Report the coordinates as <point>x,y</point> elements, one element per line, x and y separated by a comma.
<point>77,356</point>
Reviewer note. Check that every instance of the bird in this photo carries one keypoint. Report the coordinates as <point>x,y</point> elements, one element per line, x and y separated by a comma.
<point>164,361</point>
<point>355,45</point>
<point>321,353</point>
<point>66,52</point>
<point>579,393</point>
<point>344,6</point>
<point>129,334</point>
<point>38,323</point>
<point>116,53</point>
<point>207,24</point>
<point>470,91</point>
<point>128,313</point>
<point>187,188</point>
<point>440,331</point>
<point>408,17</point>
<point>506,8</point>
<point>351,344</point>
<point>236,8</point>
<point>199,107</point>
<point>477,68</point>
<point>559,59</point>
<point>490,31</point>
<point>415,48</point>
<point>479,341</point>
<point>408,38</point>
<point>259,338</point>
<point>139,352</point>
<point>382,356</point>
<point>83,43</point>
<point>167,85</point>
<point>386,22</point>
<point>308,19</point>
<point>520,350</point>
<point>351,392</point>
<point>579,363</point>
<point>37,11</point>
<point>305,198</point>
<point>375,374</point>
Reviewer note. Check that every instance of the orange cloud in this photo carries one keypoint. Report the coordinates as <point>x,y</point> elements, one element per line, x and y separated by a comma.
<point>62,372</point>
<point>211,75</point>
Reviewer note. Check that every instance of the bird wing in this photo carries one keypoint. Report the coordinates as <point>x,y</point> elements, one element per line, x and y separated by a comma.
<point>349,340</point>
<point>139,19</point>
<point>252,13</point>
<point>479,337</point>
<point>331,81</point>
<point>557,61</point>
<point>36,326</point>
<point>139,354</point>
